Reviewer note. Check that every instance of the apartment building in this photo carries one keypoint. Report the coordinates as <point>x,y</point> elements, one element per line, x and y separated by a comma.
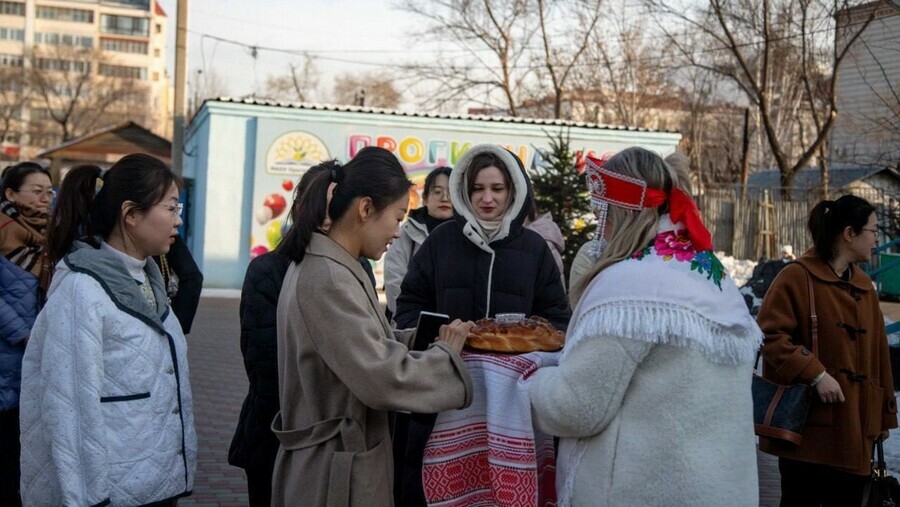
<point>117,43</point>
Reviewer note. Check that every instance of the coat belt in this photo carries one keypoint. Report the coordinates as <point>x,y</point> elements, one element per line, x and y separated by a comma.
<point>352,439</point>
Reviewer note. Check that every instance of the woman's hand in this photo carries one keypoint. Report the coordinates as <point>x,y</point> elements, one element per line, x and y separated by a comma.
<point>455,333</point>
<point>829,390</point>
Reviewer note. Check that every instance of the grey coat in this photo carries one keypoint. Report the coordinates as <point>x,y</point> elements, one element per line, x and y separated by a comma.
<point>340,370</point>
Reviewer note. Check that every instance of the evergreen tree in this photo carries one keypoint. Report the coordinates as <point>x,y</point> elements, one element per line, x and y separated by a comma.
<point>560,188</point>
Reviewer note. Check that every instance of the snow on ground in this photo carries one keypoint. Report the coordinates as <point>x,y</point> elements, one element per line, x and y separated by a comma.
<point>739,269</point>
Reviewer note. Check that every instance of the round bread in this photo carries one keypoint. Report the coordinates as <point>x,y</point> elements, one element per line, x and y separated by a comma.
<point>529,335</point>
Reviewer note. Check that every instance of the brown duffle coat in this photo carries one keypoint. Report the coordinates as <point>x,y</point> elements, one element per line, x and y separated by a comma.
<point>340,370</point>
<point>852,348</point>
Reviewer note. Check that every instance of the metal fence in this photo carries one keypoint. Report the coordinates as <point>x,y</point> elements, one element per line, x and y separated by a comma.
<point>755,225</point>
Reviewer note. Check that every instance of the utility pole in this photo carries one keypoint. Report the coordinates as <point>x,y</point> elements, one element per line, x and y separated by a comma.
<point>180,77</point>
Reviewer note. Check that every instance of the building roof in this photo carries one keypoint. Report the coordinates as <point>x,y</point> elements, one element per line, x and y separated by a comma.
<point>811,178</point>
<point>158,10</point>
<point>394,112</point>
<point>110,143</point>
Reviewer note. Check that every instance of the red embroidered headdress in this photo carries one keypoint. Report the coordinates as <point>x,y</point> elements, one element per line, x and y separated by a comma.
<point>608,187</point>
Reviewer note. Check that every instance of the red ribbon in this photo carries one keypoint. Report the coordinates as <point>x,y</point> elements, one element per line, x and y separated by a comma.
<point>683,209</point>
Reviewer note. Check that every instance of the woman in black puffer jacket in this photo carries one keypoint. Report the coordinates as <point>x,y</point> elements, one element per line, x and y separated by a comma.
<point>480,264</point>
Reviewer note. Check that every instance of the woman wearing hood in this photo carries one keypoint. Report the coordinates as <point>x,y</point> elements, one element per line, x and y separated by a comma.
<point>484,263</point>
<point>436,209</point>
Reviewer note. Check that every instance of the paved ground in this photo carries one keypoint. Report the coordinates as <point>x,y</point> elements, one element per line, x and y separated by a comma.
<point>219,384</point>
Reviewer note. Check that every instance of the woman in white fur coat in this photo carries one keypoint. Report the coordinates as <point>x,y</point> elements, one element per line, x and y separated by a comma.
<point>652,398</point>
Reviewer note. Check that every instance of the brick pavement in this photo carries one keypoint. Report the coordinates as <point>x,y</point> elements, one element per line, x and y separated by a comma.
<point>220,384</point>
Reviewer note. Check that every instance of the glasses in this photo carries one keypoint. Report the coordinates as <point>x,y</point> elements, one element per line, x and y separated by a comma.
<point>40,193</point>
<point>176,210</point>
<point>439,193</point>
<point>873,231</point>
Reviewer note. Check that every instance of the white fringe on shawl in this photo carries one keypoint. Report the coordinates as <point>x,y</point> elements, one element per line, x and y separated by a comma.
<point>661,302</point>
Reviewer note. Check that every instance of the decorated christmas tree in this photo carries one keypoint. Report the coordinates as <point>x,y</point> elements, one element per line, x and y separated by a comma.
<point>559,188</point>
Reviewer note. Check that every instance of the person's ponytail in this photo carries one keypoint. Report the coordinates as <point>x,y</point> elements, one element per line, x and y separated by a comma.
<point>71,217</point>
<point>308,211</point>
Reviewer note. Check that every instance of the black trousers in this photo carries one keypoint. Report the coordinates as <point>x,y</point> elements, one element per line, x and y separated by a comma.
<point>9,458</point>
<point>812,485</point>
<point>259,485</point>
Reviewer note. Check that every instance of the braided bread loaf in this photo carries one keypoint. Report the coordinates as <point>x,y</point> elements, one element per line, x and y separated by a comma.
<point>529,335</point>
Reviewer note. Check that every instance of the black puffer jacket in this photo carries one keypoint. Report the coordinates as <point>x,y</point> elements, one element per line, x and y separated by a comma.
<point>254,445</point>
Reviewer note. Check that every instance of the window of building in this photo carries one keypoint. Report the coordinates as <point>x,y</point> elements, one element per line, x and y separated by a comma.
<point>7,60</point>
<point>62,65</point>
<point>123,71</point>
<point>12,8</point>
<point>12,34</point>
<point>64,14</point>
<point>124,46</point>
<point>56,39</point>
<point>125,25</point>
<point>156,76</point>
<point>140,4</point>
<point>158,27</point>
<point>156,53</point>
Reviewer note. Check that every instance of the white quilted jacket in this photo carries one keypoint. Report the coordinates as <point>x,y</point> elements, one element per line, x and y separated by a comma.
<point>106,408</point>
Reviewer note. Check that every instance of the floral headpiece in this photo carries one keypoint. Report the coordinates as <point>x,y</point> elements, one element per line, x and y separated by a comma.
<point>608,187</point>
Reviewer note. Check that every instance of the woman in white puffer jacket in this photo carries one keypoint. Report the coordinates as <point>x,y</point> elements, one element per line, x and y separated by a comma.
<point>106,406</point>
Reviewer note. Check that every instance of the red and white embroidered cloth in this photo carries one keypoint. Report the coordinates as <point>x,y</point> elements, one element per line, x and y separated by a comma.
<point>491,453</point>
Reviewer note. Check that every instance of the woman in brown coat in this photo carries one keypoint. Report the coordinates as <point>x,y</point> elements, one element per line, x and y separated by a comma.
<point>851,372</point>
<point>340,367</point>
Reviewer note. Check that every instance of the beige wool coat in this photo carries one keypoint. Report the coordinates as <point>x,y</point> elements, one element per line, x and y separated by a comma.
<point>340,371</point>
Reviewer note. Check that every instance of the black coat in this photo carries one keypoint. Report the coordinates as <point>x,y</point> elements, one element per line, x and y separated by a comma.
<point>190,283</point>
<point>450,274</point>
<point>254,446</point>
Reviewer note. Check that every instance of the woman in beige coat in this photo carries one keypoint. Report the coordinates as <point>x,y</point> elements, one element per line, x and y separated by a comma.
<point>340,367</point>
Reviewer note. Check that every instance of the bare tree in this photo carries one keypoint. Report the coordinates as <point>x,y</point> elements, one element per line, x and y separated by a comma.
<point>14,95</point>
<point>624,74</point>
<point>577,19</point>
<point>370,89</point>
<point>488,50</point>
<point>781,55</point>
<point>76,90</point>
<point>300,83</point>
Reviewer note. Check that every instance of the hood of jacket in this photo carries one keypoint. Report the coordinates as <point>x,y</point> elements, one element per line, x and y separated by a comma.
<point>118,284</point>
<point>547,228</point>
<point>516,211</point>
<point>415,226</point>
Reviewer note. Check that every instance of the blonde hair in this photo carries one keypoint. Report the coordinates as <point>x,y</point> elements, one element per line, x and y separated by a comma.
<point>633,230</point>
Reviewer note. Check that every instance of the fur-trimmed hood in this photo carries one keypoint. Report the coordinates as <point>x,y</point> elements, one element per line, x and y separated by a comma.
<point>516,211</point>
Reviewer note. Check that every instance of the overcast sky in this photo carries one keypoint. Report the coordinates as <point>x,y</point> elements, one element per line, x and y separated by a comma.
<point>364,32</point>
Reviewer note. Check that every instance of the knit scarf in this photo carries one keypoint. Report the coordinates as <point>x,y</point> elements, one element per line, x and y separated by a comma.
<point>24,240</point>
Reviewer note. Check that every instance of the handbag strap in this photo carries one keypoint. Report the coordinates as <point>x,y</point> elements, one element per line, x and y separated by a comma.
<point>813,318</point>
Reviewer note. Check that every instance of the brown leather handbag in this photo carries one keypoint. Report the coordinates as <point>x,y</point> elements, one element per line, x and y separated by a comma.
<point>780,411</point>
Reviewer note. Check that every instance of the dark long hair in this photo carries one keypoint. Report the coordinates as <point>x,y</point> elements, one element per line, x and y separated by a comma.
<point>308,211</point>
<point>432,178</point>
<point>374,173</point>
<point>82,211</point>
<point>13,176</point>
<point>828,219</point>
